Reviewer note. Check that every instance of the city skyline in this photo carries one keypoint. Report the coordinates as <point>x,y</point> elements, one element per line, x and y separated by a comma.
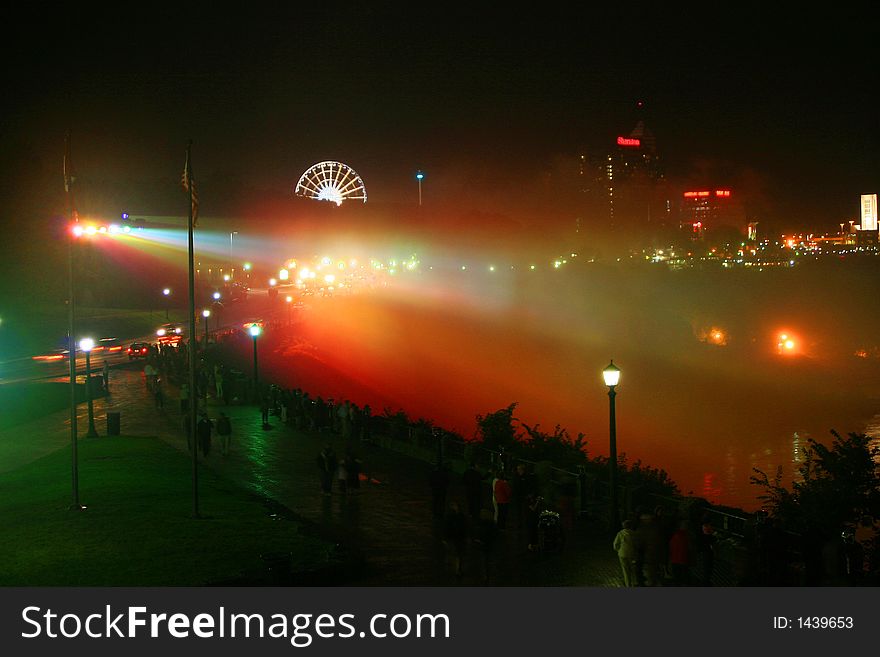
<point>489,109</point>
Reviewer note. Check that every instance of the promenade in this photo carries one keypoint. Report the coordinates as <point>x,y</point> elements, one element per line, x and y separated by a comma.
<point>387,524</point>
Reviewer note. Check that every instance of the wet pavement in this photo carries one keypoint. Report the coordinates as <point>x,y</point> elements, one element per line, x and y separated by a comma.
<point>388,521</point>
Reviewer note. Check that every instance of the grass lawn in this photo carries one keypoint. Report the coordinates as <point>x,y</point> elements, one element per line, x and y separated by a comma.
<point>137,529</point>
<point>23,402</point>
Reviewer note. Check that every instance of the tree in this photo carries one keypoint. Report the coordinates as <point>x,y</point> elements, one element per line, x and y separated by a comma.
<point>496,430</point>
<point>837,486</point>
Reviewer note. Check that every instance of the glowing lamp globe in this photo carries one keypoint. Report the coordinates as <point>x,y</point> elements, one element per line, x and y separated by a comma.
<point>255,330</point>
<point>611,374</point>
<point>86,344</point>
<point>206,313</point>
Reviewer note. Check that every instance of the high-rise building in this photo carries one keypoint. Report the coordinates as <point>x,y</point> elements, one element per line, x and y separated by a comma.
<point>633,183</point>
<point>708,209</point>
<point>869,212</point>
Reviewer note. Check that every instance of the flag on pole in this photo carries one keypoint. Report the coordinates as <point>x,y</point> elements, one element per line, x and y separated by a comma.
<point>68,169</point>
<point>189,185</point>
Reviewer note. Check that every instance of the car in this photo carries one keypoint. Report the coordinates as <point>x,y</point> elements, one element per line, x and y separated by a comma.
<point>138,350</point>
<point>169,334</point>
<point>111,345</point>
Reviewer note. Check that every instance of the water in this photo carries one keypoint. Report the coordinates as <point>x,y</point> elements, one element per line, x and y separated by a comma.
<point>447,349</point>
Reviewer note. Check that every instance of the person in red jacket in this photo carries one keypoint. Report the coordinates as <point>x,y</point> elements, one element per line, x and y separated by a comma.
<point>501,495</point>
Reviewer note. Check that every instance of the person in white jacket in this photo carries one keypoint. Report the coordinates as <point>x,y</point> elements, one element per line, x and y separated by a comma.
<point>627,551</point>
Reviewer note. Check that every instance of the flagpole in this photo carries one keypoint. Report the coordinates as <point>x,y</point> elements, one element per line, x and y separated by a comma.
<point>193,397</point>
<point>71,323</point>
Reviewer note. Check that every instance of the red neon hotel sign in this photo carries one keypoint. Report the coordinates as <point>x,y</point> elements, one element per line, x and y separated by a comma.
<point>627,141</point>
<point>720,193</point>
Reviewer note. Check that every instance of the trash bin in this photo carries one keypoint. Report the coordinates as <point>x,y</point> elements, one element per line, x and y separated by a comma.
<point>113,421</point>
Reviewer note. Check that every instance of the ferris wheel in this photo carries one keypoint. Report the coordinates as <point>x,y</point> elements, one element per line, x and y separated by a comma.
<point>331,181</point>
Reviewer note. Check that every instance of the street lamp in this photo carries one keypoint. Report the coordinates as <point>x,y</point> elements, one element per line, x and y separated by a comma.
<point>231,237</point>
<point>255,331</point>
<point>206,314</point>
<point>166,293</point>
<point>611,374</point>
<point>289,301</point>
<point>86,345</point>
<point>419,176</point>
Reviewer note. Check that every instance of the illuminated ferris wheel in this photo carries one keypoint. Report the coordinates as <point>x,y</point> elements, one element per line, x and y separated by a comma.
<point>331,181</point>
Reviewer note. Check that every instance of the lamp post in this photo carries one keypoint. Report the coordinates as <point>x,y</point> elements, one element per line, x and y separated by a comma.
<point>217,308</point>
<point>86,345</point>
<point>166,292</point>
<point>255,331</point>
<point>611,374</point>
<point>206,314</point>
<point>232,235</point>
<point>289,302</point>
<point>419,176</point>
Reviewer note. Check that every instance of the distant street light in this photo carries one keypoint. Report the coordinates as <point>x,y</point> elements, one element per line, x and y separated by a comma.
<point>255,331</point>
<point>167,294</point>
<point>611,374</point>
<point>231,237</point>
<point>419,176</point>
<point>206,314</point>
<point>289,300</point>
<point>86,345</point>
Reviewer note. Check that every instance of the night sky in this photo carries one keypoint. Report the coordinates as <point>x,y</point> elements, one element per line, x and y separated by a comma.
<point>780,105</point>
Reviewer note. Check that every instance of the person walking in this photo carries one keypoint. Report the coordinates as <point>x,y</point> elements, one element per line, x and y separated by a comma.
<point>203,431</point>
<point>224,430</point>
<point>627,552</point>
<point>455,536</point>
<point>150,375</point>
<point>158,395</point>
<point>264,410</point>
<point>327,468</point>
<point>501,494</point>
<point>218,381</point>
<point>342,476</point>
<point>184,398</point>
<point>706,548</point>
<point>679,555</point>
<point>353,470</point>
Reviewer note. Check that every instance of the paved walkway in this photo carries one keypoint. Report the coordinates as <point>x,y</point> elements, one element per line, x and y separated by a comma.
<point>388,520</point>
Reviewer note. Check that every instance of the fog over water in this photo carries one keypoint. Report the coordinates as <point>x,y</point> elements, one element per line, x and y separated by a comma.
<point>446,343</point>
